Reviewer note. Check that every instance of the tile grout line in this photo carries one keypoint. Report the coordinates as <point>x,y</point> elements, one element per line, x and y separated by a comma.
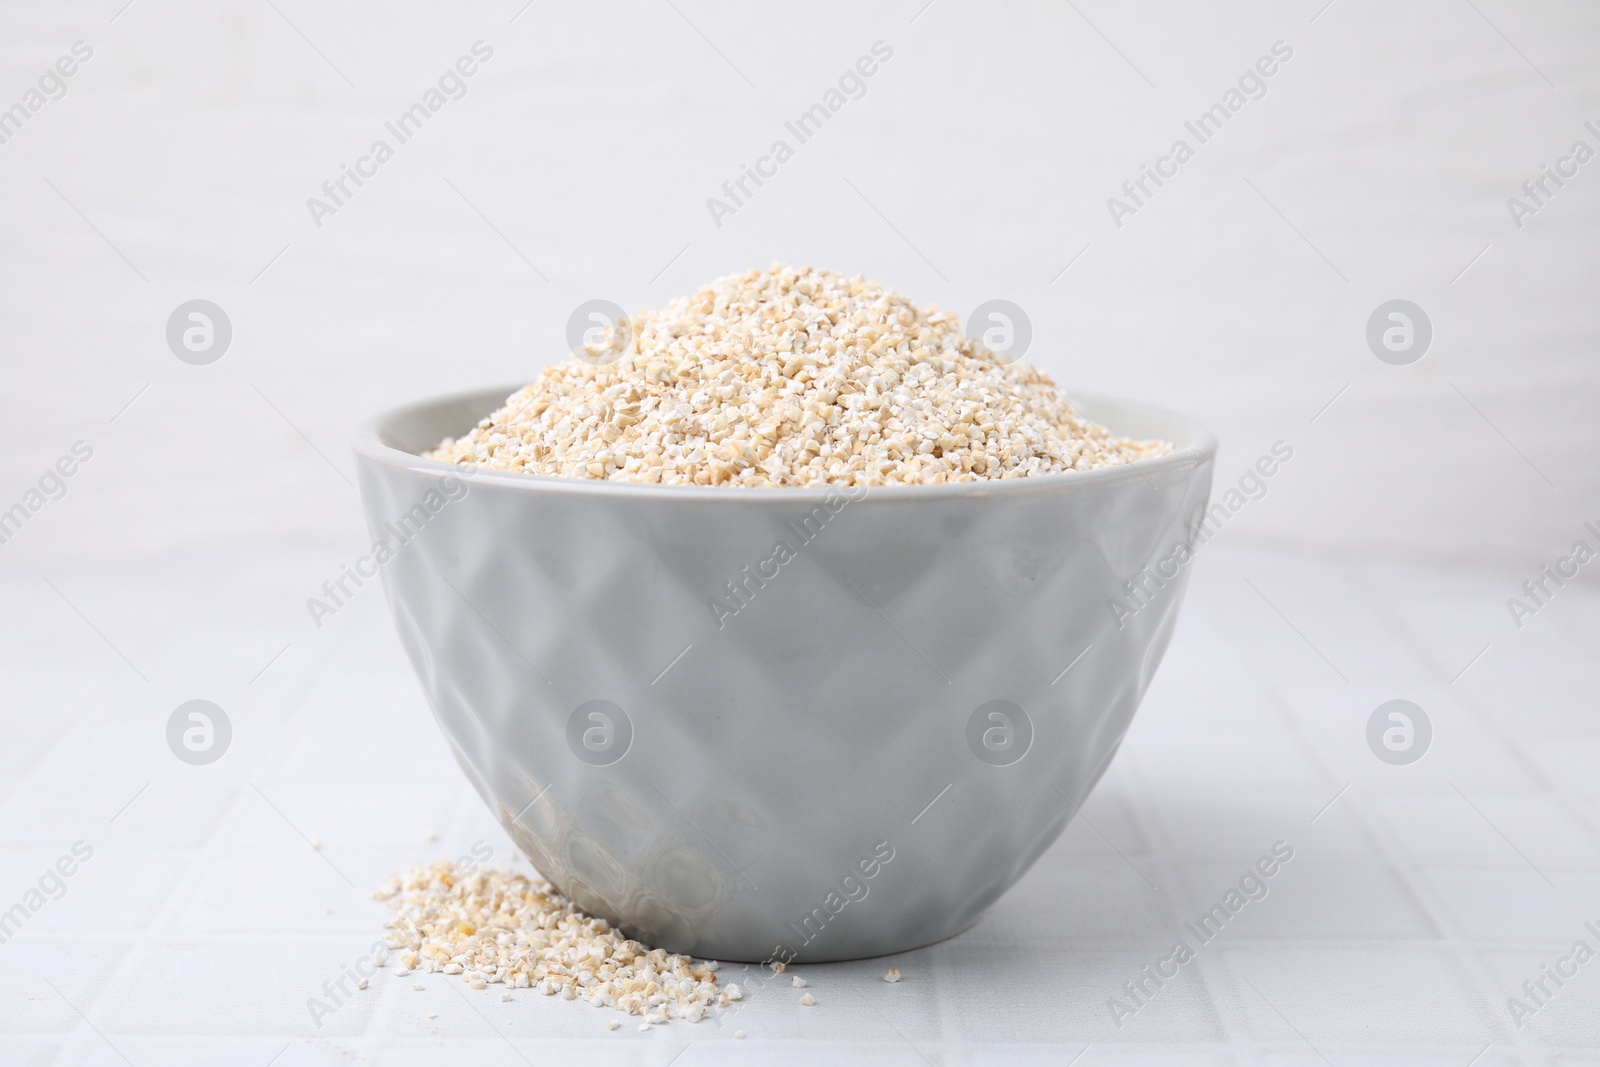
<point>1466,951</point>
<point>1394,856</point>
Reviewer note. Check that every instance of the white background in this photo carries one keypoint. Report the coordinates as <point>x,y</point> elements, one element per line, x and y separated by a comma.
<point>977,165</point>
<point>990,141</point>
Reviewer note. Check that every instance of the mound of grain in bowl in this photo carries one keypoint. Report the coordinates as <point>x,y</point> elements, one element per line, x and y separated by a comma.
<point>493,926</point>
<point>791,377</point>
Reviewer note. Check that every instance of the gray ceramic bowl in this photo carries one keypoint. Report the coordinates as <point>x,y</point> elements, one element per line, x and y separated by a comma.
<point>783,723</point>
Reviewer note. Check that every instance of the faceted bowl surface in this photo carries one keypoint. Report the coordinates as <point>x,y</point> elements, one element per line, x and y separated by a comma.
<point>783,723</point>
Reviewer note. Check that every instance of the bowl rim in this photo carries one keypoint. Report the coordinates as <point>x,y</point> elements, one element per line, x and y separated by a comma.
<point>370,446</point>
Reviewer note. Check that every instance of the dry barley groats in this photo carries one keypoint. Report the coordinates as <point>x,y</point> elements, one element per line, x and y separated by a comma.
<point>500,926</point>
<point>788,377</point>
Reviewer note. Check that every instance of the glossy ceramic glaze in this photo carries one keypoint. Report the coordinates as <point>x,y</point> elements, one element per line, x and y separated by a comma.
<point>783,723</point>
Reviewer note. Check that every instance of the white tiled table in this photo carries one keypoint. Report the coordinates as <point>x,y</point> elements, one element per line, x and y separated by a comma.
<point>1416,903</point>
